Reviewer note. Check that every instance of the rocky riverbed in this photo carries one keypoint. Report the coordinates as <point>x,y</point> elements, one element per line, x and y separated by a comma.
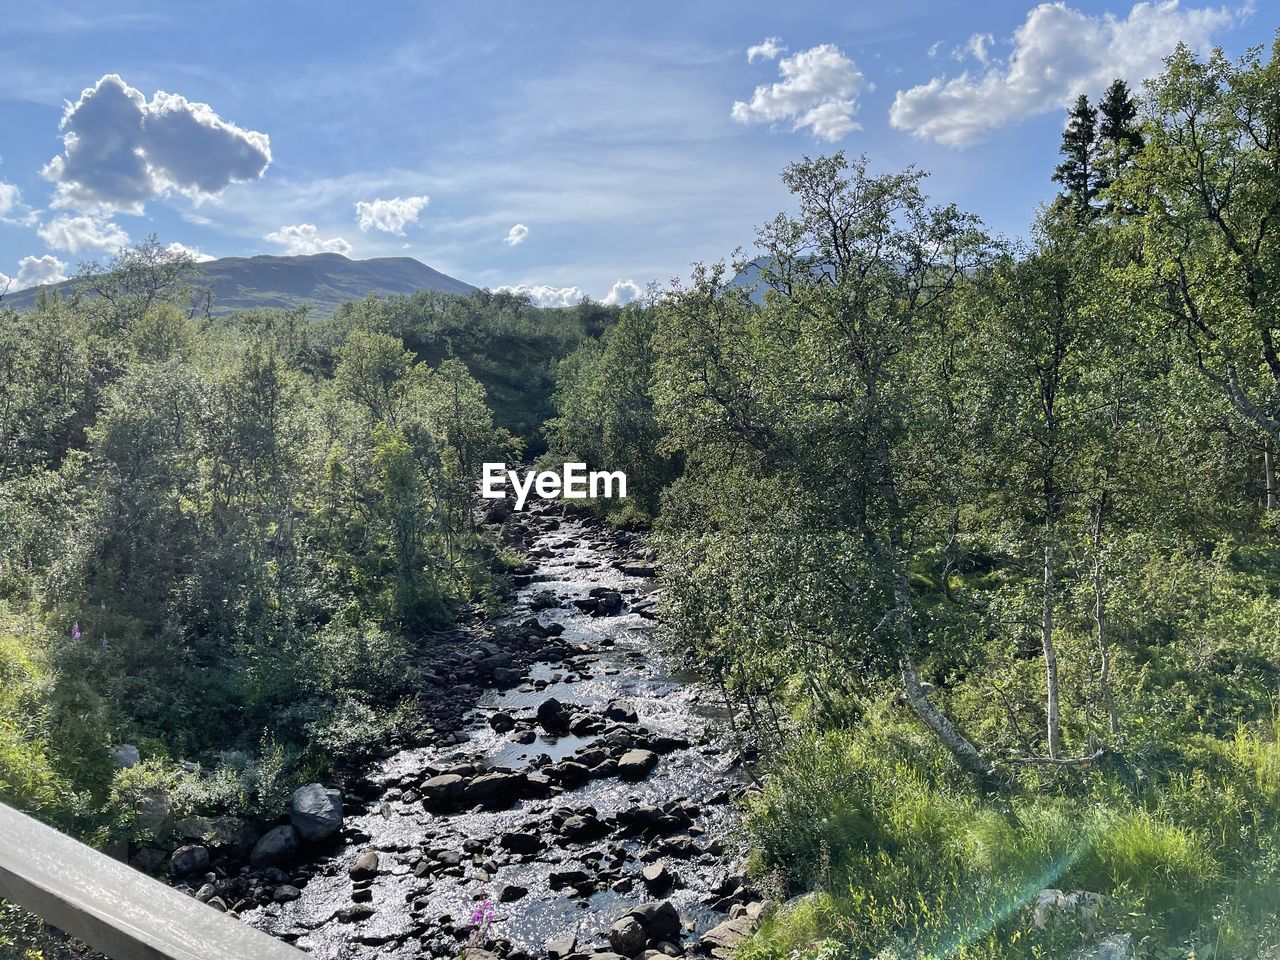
<point>583,806</point>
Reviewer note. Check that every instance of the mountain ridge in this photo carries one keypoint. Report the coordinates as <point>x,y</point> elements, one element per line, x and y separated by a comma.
<point>320,281</point>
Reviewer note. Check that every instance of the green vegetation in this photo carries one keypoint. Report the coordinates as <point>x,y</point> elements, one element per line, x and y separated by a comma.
<point>224,539</point>
<point>982,540</point>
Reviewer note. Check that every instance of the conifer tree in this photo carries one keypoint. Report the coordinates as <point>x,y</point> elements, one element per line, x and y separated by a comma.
<point>1077,172</point>
<point>1119,134</point>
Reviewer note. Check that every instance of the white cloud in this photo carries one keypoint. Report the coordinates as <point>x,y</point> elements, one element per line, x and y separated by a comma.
<point>1058,53</point>
<point>546,296</point>
<point>74,234</point>
<point>119,151</point>
<point>390,216</point>
<point>304,239</point>
<point>767,49</point>
<point>34,271</point>
<point>818,92</point>
<point>978,47</point>
<point>9,198</point>
<point>623,291</point>
<point>515,236</point>
<point>935,48</point>
<point>196,254</point>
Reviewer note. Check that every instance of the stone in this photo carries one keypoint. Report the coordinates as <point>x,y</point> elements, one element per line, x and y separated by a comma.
<point>659,919</point>
<point>316,812</point>
<point>502,722</point>
<point>522,843</point>
<point>189,859</point>
<point>511,893</point>
<point>560,949</point>
<point>442,791</point>
<point>286,893</point>
<point>657,878</point>
<point>1055,905</point>
<point>621,711</point>
<point>720,941</point>
<point>628,936</point>
<point>365,867</point>
<point>634,765</point>
<point>277,845</point>
<point>553,717</point>
<point>495,790</point>
<point>125,755</point>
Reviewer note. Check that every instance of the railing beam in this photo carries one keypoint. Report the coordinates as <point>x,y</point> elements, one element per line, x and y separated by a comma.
<point>114,908</point>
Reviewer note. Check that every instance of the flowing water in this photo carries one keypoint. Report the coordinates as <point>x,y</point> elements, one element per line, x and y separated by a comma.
<point>437,868</point>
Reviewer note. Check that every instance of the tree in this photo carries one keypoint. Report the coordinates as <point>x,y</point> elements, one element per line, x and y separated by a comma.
<point>1078,170</point>
<point>1207,188</point>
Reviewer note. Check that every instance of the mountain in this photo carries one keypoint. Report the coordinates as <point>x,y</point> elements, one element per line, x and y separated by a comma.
<point>321,280</point>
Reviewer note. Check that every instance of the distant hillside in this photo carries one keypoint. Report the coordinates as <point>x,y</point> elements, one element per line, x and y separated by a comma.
<point>322,281</point>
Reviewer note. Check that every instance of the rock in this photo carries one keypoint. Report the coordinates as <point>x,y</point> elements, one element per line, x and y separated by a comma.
<point>511,893</point>
<point>634,765</point>
<point>583,827</point>
<point>365,868</point>
<point>502,722</point>
<point>286,893</point>
<point>443,791</point>
<point>506,676</point>
<point>496,790</point>
<point>657,878</point>
<point>621,711</point>
<point>659,919</point>
<point>560,949</point>
<point>1056,905</point>
<point>277,845</point>
<point>720,941</point>
<point>553,717</point>
<point>125,755</point>
<point>192,858</point>
<point>523,843</point>
<point>316,812</point>
<point>628,936</point>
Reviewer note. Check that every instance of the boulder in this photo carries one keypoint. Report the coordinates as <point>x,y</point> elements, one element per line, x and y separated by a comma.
<point>502,722</point>
<point>125,755</point>
<point>365,867</point>
<point>521,842</point>
<point>277,845</point>
<point>628,936</point>
<point>659,919</point>
<point>189,859</point>
<point>511,893</point>
<point>443,791</point>
<point>316,812</point>
<point>721,940</point>
<point>634,765</point>
<point>621,711</point>
<point>495,790</point>
<point>553,717</point>
<point>657,878</point>
<point>287,892</point>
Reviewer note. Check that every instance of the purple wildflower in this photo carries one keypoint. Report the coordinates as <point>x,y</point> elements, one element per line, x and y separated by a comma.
<point>75,630</point>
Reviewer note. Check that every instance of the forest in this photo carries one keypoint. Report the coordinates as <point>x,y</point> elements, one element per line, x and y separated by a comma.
<point>977,539</point>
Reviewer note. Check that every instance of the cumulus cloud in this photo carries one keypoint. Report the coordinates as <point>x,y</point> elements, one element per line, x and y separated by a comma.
<point>9,198</point>
<point>766,49</point>
<point>818,92</point>
<point>979,47</point>
<point>390,216</point>
<point>74,234</point>
<point>119,150</point>
<point>1058,53</point>
<point>515,236</point>
<point>623,291</point>
<point>303,238</point>
<point>546,296</point>
<point>33,272</point>
<point>195,253</point>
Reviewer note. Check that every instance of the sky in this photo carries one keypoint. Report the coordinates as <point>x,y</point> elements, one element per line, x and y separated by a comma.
<point>563,148</point>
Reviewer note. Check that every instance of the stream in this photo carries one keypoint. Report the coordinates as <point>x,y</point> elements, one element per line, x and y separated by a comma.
<point>591,783</point>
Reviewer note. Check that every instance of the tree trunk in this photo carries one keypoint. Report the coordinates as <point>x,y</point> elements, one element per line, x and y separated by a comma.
<point>961,747</point>
<point>1100,620</point>
<point>1052,709</point>
<point>1269,476</point>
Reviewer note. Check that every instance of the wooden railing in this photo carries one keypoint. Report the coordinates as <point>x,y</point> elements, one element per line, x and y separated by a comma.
<point>114,908</point>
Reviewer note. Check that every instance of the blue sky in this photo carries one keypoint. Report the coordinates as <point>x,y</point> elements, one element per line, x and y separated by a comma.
<point>560,146</point>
